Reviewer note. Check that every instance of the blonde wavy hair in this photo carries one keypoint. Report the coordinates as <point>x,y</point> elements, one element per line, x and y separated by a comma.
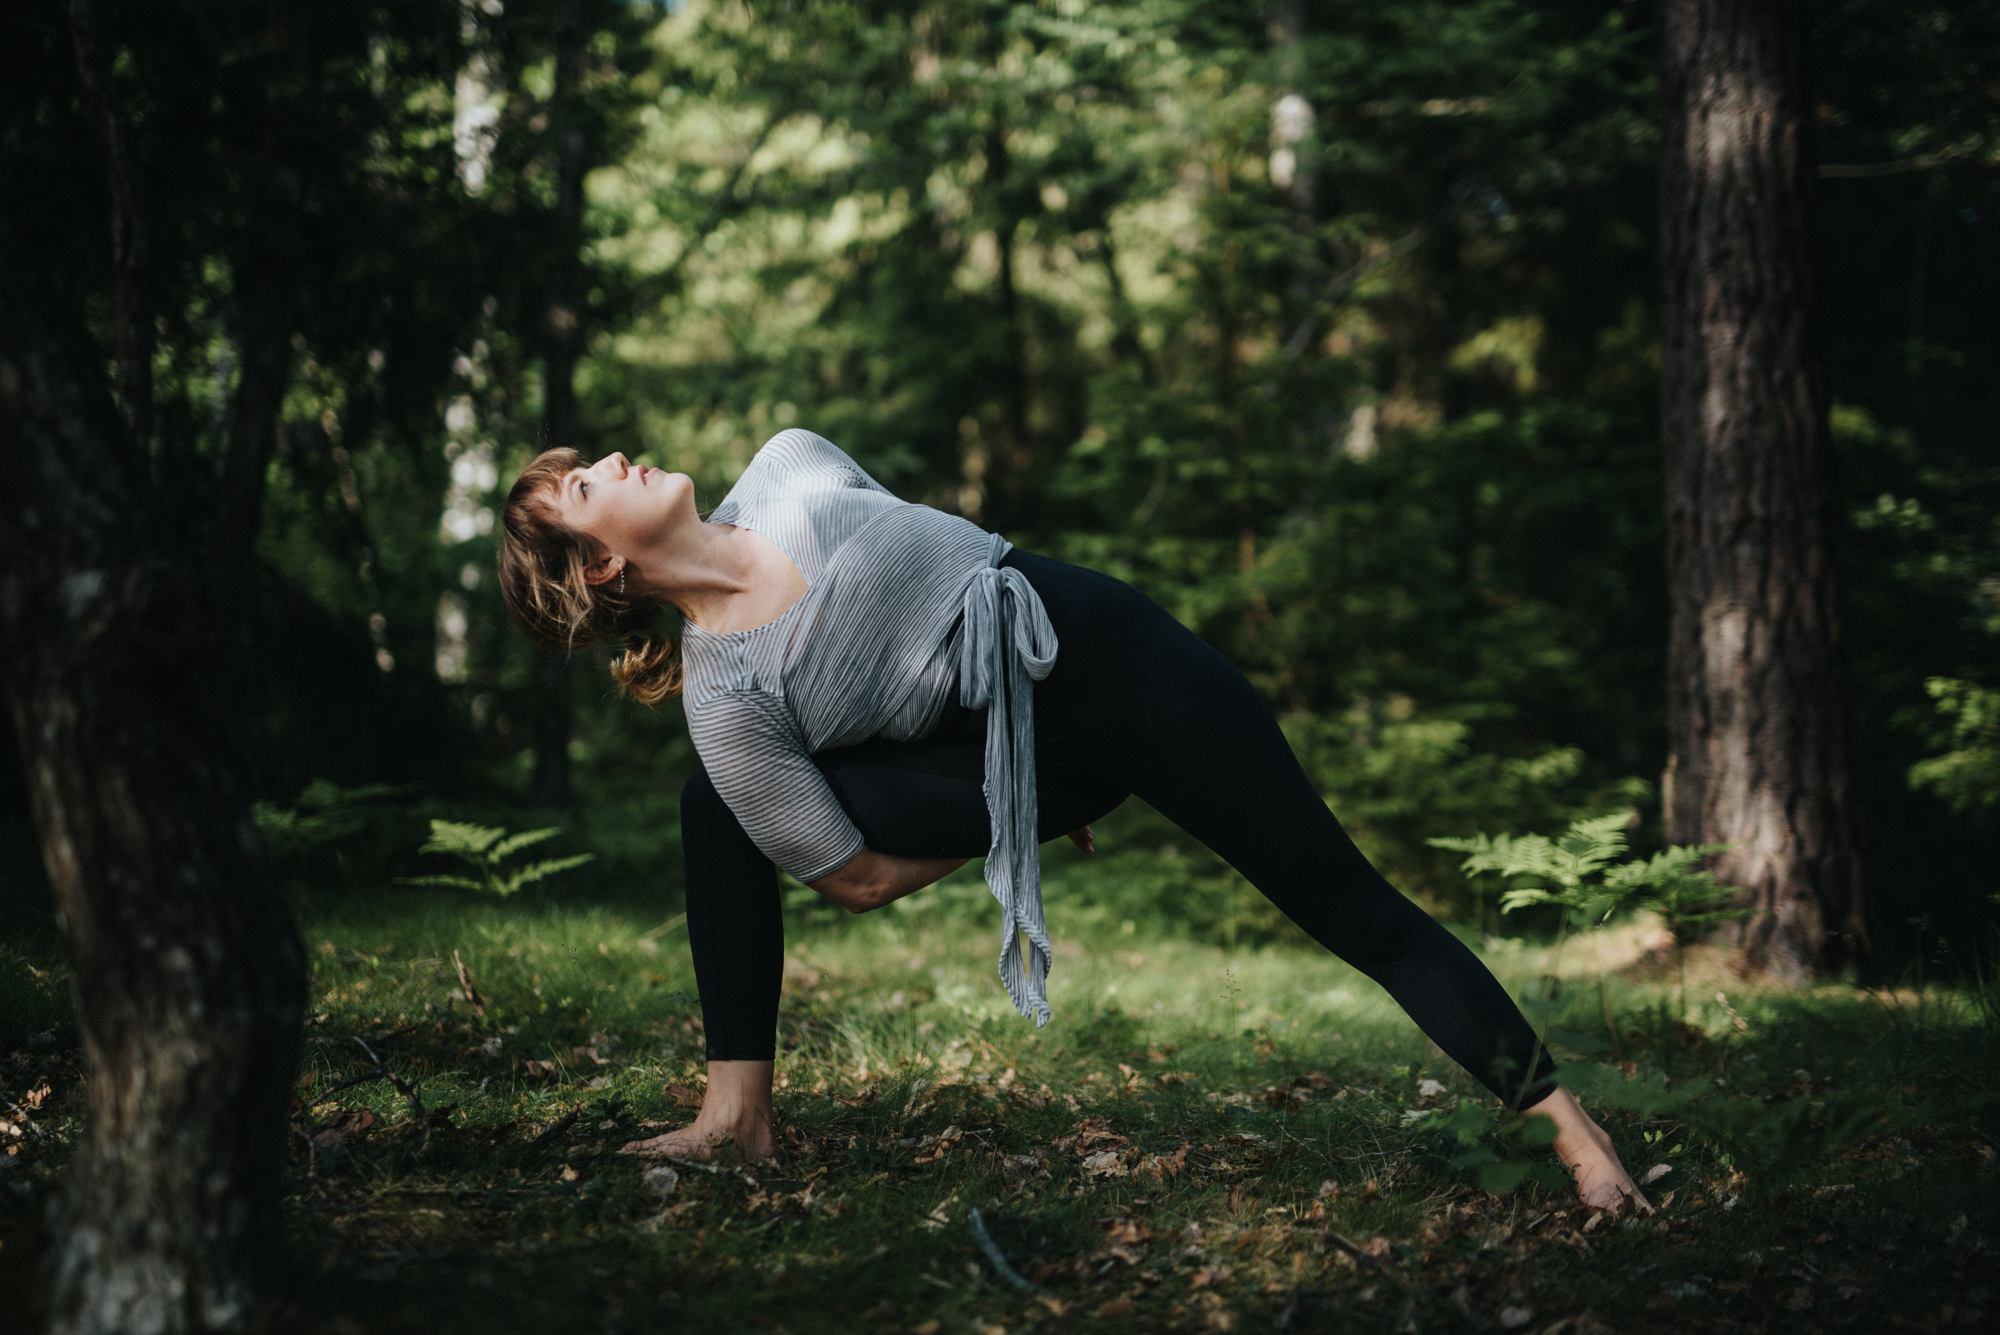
<point>542,566</point>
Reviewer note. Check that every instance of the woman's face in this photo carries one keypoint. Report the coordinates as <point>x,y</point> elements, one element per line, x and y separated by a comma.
<point>625,507</point>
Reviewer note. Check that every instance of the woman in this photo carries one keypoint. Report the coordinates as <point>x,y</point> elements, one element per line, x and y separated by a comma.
<point>880,691</point>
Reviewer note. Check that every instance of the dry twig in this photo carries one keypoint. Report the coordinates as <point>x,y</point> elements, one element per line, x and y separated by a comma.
<point>403,1087</point>
<point>562,1124</point>
<point>999,1258</point>
<point>26,1120</point>
<point>465,982</point>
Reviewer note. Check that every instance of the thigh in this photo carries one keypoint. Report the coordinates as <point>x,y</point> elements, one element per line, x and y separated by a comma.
<point>919,799</point>
<point>1137,693</point>
<point>927,798</point>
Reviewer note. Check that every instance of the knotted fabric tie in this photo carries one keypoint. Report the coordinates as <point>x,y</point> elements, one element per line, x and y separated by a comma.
<point>1008,644</point>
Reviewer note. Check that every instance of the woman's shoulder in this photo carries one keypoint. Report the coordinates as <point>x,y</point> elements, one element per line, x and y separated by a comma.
<point>807,455</point>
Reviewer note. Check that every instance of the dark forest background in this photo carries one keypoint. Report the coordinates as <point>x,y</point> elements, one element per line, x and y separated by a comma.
<point>1338,336</point>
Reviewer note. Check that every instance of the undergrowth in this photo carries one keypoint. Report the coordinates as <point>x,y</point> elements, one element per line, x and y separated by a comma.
<point>1204,1139</point>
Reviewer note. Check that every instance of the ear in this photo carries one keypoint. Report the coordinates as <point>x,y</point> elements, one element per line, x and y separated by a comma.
<point>603,570</point>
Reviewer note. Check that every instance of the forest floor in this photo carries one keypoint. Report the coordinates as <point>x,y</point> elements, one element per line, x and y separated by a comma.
<point>1203,1139</point>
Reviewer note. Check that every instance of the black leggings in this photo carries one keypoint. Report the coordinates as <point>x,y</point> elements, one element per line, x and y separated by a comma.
<point>1136,705</point>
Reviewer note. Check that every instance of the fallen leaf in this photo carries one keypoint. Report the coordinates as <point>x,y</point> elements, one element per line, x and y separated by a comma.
<point>1207,1275</point>
<point>681,1094</point>
<point>862,1097</point>
<point>1513,1318</point>
<point>341,1127</point>
<point>1129,1232</point>
<point>1118,1309</point>
<point>568,1174</point>
<point>1656,1172</point>
<point>1159,1166</point>
<point>1429,1089</point>
<point>1091,1133</point>
<point>1104,1163</point>
<point>660,1181</point>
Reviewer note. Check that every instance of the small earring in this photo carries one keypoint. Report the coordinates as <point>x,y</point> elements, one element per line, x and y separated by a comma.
<point>621,581</point>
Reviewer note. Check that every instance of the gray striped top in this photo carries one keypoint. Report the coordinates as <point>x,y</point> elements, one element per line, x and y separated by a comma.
<point>902,603</point>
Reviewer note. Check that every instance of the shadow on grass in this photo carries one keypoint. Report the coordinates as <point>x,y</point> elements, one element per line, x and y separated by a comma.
<point>1203,1140</point>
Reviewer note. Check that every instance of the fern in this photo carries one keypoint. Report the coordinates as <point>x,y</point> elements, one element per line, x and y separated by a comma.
<point>325,814</point>
<point>1578,870</point>
<point>484,848</point>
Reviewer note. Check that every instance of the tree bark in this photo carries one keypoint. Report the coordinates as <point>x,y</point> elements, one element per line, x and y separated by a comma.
<point>562,348</point>
<point>265,364</point>
<point>1757,693</point>
<point>190,980</point>
<point>130,244</point>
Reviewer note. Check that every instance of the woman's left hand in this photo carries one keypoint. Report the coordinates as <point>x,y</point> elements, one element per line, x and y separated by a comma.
<point>1083,839</point>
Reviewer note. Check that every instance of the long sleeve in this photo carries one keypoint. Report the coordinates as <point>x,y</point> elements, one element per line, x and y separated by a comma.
<point>760,766</point>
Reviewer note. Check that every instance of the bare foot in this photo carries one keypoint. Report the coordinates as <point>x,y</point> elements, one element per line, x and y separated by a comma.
<point>734,1122</point>
<point>1601,1180</point>
<point>703,1145</point>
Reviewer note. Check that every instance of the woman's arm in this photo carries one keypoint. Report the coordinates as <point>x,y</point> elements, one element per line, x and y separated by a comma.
<point>871,879</point>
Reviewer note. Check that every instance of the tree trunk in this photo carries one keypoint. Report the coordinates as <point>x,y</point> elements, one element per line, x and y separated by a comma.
<point>130,244</point>
<point>1757,695</point>
<point>562,348</point>
<point>189,976</point>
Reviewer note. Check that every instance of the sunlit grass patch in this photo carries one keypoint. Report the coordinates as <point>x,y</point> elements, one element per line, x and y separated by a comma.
<point>1203,1139</point>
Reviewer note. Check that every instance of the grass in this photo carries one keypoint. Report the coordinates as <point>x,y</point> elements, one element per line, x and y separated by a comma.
<point>1204,1139</point>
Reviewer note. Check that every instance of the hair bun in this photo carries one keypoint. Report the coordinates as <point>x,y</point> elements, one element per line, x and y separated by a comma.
<point>650,669</point>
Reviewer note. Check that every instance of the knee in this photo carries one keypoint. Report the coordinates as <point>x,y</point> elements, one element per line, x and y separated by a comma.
<point>1381,928</point>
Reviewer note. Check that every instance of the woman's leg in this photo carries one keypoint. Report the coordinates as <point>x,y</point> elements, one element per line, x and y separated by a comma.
<point>736,933</point>
<point>912,799</point>
<point>736,927</point>
<point>1197,742</point>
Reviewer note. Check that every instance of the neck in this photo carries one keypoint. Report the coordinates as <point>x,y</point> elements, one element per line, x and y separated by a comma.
<point>697,567</point>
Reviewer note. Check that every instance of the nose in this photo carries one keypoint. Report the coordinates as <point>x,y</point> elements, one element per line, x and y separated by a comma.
<point>616,463</point>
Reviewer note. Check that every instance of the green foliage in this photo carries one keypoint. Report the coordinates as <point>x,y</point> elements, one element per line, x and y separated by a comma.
<point>325,814</point>
<point>1686,895</point>
<point>1501,1149</point>
<point>485,849</point>
<point>1295,1109</point>
<point>1388,440</point>
<point>1967,776</point>
<point>1777,1136</point>
<point>1577,870</point>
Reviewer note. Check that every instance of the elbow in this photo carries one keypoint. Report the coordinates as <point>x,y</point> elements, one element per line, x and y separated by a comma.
<point>866,899</point>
